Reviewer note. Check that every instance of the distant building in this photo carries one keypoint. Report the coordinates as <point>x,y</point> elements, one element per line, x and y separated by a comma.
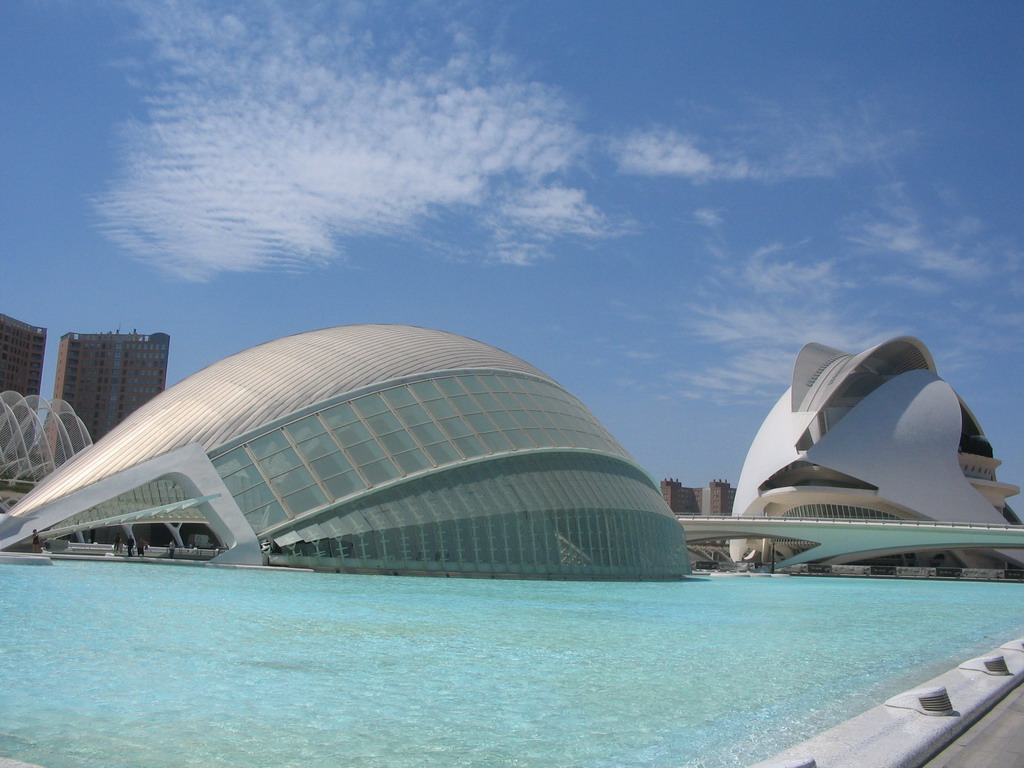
<point>716,499</point>
<point>680,499</point>
<point>21,356</point>
<point>105,377</point>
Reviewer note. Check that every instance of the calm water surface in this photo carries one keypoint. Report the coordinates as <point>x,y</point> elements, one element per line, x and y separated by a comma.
<point>140,665</point>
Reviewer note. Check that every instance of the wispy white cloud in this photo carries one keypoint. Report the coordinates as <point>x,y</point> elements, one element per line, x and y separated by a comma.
<point>778,270</point>
<point>779,298</point>
<point>898,229</point>
<point>774,146</point>
<point>757,346</point>
<point>709,217</point>
<point>269,140</point>
<point>665,152</point>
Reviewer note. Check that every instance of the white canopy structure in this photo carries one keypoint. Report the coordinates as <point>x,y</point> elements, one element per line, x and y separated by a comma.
<point>36,437</point>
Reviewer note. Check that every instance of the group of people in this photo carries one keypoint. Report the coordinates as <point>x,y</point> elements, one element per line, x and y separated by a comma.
<point>130,545</point>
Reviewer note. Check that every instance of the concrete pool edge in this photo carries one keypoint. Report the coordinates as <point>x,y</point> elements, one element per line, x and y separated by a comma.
<point>911,728</point>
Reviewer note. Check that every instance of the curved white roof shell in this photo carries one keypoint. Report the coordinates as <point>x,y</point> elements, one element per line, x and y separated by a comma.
<point>267,382</point>
<point>820,370</point>
<point>879,430</point>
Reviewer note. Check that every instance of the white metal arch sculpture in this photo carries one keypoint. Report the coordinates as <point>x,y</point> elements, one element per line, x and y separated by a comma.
<point>37,436</point>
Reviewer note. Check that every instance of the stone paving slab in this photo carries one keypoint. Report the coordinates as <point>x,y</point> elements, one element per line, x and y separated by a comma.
<point>995,741</point>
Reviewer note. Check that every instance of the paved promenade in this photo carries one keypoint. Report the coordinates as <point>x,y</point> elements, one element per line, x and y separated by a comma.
<point>995,741</point>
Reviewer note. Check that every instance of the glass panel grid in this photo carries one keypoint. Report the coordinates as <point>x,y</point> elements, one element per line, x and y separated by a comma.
<point>305,429</point>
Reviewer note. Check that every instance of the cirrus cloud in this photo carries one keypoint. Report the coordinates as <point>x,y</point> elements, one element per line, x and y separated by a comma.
<point>268,141</point>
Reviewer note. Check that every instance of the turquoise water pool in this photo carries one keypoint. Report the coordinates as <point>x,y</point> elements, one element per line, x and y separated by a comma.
<point>141,665</point>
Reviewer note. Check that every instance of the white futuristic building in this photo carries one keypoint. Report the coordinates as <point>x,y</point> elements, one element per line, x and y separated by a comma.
<point>36,437</point>
<point>372,448</point>
<point>872,436</point>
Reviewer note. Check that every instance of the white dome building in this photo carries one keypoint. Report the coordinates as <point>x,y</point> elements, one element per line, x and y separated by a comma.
<point>872,436</point>
<point>373,448</point>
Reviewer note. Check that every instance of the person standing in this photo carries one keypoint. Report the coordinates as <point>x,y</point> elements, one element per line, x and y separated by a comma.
<point>37,545</point>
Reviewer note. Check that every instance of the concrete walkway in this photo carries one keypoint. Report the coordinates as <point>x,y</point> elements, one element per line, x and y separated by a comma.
<point>995,741</point>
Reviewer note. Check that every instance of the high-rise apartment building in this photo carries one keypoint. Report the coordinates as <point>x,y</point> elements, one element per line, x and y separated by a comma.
<point>716,499</point>
<point>680,499</point>
<point>107,376</point>
<point>21,356</point>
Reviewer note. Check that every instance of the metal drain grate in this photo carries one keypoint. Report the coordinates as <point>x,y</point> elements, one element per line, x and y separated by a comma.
<point>996,665</point>
<point>990,665</point>
<point>927,701</point>
<point>935,700</point>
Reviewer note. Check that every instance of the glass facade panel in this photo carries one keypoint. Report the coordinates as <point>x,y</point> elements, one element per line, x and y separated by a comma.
<point>366,452</point>
<point>442,453</point>
<point>481,520</point>
<point>398,397</point>
<point>518,438</point>
<point>369,405</point>
<point>243,479</point>
<point>397,442</point>
<point>480,422</point>
<point>352,434</point>
<point>256,497</point>
<point>232,461</point>
<point>268,444</point>
<point>339,416</point>
<point>412,461</point>
<point>383,423</point>
<point>408,429</point>
<point>455,427</point>
<point>280,462</point>
<point>440,409</point>
<point>503,420</point>
<point>318,446</point>
<point>263,517</point>
<point>425,390</point>
<point>469,446</point>
<point>450,386</point>
<point>305,429</point>
<point>305,500</point>
<point>508,401</point>
<point>539,437</point>
<point>345,484</point>
<point>487,401</point>
<point>474,384</point>
<point>379,471</point>
<point>523,418</point>
<point>292,481</point>
<point>428,433</point>
<point>496,442</point>
<point>413,415</point>
<point>465,404</point>
<point>330,465</point>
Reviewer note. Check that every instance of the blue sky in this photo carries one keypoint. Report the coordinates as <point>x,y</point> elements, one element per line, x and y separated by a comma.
<point>658,203</point>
